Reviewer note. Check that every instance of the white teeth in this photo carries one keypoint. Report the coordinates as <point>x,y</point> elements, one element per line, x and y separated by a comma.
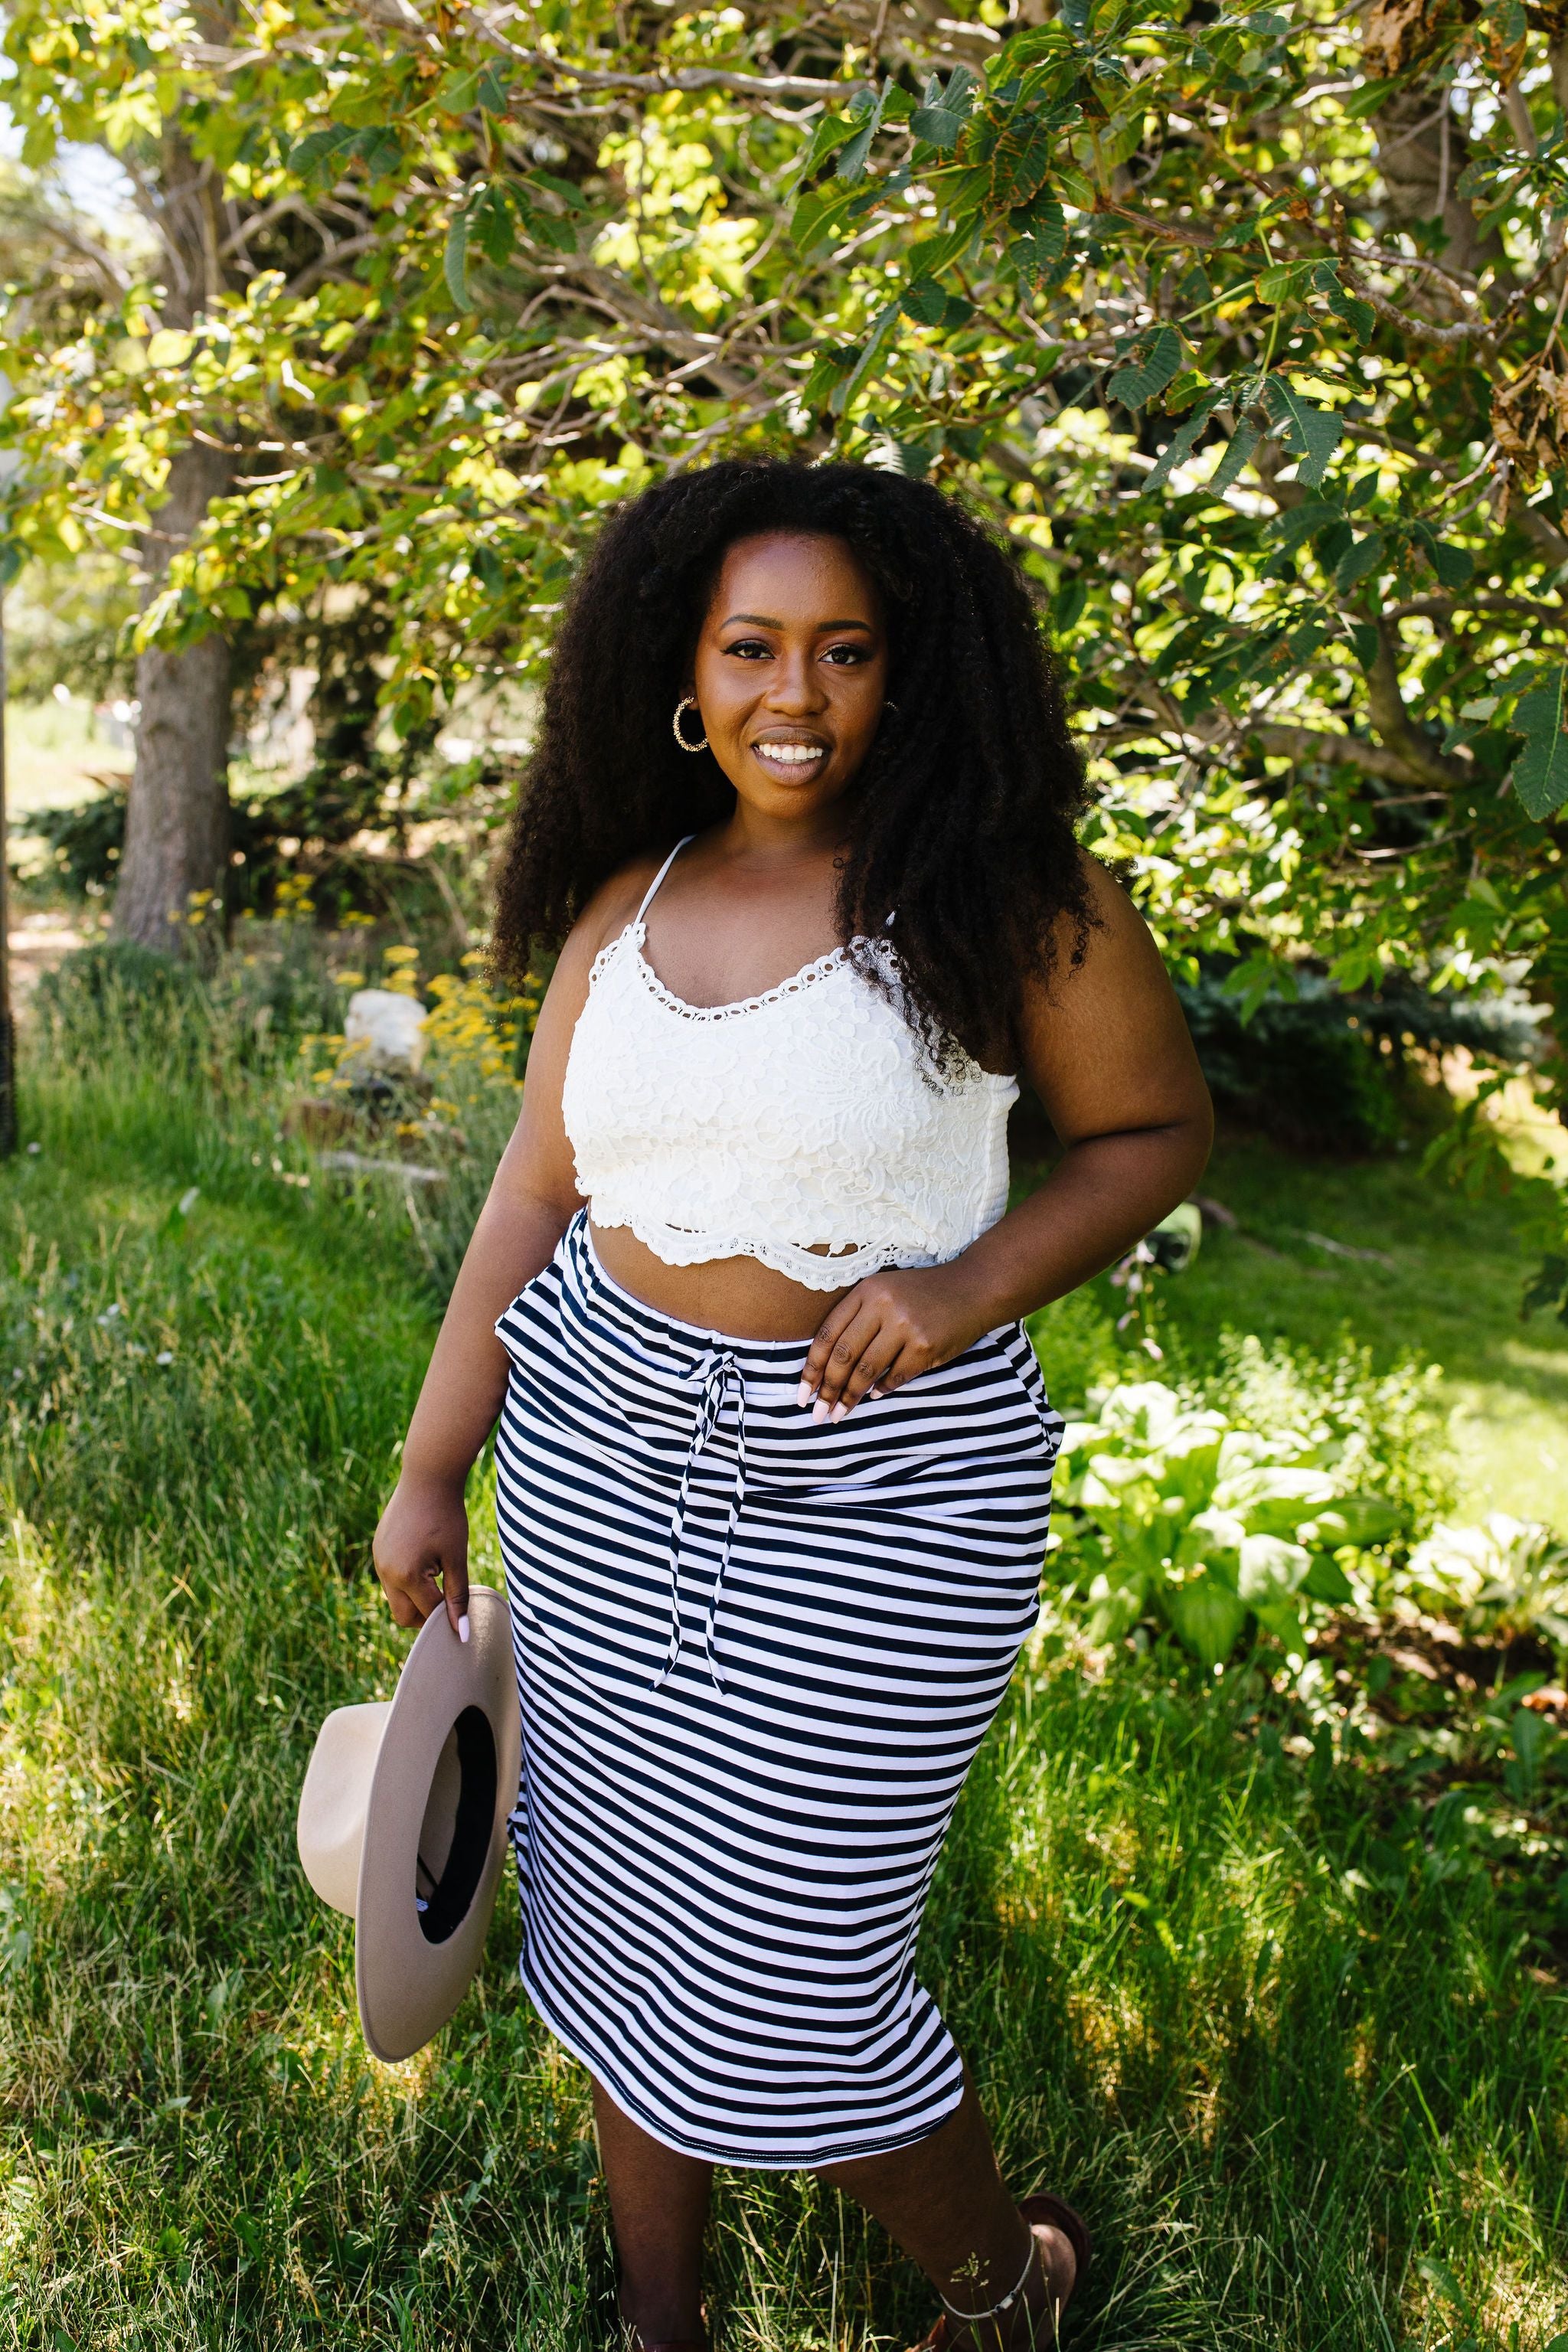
<point>795,755</point>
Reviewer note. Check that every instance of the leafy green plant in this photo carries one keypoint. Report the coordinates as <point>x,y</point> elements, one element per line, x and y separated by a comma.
<point>1384,1431</point>
<point>1212,1526</point>
<point>1503,1579</point>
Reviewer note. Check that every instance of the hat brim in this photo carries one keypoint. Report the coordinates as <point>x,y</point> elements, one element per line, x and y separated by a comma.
<point>413,1968</point>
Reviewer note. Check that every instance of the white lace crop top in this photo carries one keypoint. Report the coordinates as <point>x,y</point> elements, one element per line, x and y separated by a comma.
<point>803,1127</point>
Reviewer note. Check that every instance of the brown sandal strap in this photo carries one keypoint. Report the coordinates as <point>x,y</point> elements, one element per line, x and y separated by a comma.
<point>1059,2215</point>
<point>1054,2212</point>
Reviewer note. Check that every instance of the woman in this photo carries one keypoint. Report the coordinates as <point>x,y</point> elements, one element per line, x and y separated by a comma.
<point>774,1456</point>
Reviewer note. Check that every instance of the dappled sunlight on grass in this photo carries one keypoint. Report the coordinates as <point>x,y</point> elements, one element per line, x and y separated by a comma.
<point>1217,1978</point>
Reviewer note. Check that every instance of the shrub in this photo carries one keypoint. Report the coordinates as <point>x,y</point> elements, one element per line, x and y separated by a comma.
<point>1383,1432</point>
<point>1325,1071</point>
<point>1498,1583</point>
<point>1213,1526</point>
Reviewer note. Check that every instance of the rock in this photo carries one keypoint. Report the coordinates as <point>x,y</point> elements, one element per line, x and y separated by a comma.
<point>385,1030</point>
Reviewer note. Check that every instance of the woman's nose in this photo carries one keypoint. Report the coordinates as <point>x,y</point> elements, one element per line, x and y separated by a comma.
<point>794,686</point>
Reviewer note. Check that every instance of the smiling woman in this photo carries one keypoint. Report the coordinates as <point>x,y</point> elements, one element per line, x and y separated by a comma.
<point>773,1462</point>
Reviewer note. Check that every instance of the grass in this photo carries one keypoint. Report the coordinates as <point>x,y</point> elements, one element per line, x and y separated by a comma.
<point>1252,2000</point>
<point>1441,1279</point>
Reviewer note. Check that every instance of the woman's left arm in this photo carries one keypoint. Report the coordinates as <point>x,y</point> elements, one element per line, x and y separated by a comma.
<point>1109,1054</point>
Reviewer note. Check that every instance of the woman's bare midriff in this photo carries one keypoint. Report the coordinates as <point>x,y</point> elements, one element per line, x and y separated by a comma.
<point>734,1294</point>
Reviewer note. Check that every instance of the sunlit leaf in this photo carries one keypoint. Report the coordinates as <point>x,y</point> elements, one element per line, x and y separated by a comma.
<point>1020,160</point>
<point>1540,774</point>
<point>1310,433</point>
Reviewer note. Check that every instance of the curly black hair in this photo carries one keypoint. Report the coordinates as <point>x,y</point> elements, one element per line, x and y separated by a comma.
<point>961,823</point>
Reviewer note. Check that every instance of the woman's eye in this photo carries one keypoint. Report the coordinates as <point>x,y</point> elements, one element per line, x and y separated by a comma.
<point>750,648</point>
<point>847,657</point>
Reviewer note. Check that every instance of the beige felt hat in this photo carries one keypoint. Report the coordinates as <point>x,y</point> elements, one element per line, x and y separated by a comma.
<point>402,1823</point>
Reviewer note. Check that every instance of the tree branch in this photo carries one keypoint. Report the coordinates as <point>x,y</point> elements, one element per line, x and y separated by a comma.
<point>1422,762</point>
<point>1337,750</point>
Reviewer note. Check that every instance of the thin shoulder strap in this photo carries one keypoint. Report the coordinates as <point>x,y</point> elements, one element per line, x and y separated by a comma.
<point>658,878</point>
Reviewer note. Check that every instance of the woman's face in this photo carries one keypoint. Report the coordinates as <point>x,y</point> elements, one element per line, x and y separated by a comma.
<point>791,671</point>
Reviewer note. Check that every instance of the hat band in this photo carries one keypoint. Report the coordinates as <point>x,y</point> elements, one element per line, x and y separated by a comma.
<point>443,1903</point>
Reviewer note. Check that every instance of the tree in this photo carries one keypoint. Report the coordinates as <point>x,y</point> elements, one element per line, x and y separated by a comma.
<point>1249,329</point>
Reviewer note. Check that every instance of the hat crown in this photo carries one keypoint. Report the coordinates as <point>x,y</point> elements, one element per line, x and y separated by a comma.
<point>330,1830</point>
<point>403,1818</point>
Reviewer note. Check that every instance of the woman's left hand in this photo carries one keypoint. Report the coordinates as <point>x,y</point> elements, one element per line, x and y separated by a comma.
<point>884,1332</point>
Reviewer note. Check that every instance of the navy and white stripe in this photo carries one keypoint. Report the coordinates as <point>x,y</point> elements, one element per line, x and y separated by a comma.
<point>756,1654</point>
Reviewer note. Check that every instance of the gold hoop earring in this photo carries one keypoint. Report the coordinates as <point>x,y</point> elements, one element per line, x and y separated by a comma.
<point>687,702</point>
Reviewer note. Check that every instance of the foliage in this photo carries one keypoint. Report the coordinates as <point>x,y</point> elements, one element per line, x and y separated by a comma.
<point>1501,1581</point>
<point>1271,415</point>
<point>1386,1430</point>
<point>1329,1072</point>
<point>1213,1526</point>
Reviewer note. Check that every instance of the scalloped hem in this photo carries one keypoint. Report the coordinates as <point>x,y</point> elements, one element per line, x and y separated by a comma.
<point>673,1246</point>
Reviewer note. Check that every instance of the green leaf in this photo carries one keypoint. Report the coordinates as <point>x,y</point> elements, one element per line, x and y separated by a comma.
<point>1359,316</point>
<point>1243,442</point>
<point>379,149</point>
<point>1309,521</point>
<point>455,263</point>
<point>1073,188</point>
<point>832,364</point>
<point>1286,282</point>
<point>491,92</point>
<point>1123,135</point>
<point>834,131</point>
<point>1271,1569</point>
<point>1044,245</point>
<point>1141,380</point>
<point>1310,433</point>
<point>1021,160</point>
<point>934,254</point>
<point>937,125</point>
<point>1360,1519</point>
<point>1326,1580</point>
<point>852,159</point>
<point>1540,774</point>
<point>942,116</point>
<point>1368,99</point>
<point>819,216</point>
<point>1182,393</point>
<point>1184,441</point>
<point>497,232</point>
<point>1363,637</point>
<point>882,328</point>
<point>1453,565</point>
<point>924,300</point>
<point>310,155</point>
<point>567,190</point>
<point>1362,557</point>
<point>1207,1616</point>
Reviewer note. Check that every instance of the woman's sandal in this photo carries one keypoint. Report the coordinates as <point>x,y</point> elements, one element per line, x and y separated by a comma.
<point>1040,2211</point>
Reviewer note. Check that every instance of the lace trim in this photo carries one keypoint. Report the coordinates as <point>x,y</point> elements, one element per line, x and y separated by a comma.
<point>683,1245</point>
<point>792,986</point>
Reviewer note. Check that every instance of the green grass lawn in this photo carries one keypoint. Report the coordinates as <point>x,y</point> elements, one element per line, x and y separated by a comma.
<point>1441,1279</point>
<point>1250,1996</point>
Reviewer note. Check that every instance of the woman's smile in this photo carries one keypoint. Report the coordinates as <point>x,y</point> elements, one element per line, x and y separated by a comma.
<point>792,753</point>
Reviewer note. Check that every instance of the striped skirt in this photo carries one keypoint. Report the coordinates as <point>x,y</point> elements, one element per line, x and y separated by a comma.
<point>756,1654</point>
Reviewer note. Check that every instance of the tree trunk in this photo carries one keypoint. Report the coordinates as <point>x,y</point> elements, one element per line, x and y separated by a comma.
<point>176,818</point>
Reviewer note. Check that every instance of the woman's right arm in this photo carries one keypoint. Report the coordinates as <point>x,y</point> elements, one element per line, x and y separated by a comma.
<point>421,1547</point>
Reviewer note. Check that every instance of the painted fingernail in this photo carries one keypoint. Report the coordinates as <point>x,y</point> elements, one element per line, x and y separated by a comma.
<point>873,1392</point>
<point>839,1409</point>
<point>463,1626</point>
<point>820,1411</point>
<point>803,1395</point>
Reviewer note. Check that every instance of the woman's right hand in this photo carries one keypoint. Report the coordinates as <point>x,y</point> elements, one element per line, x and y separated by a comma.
<point>421,1552</point>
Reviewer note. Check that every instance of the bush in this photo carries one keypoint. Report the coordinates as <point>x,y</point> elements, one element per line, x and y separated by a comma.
<point>1212,1526</point>
<point>1327,1072</point>
<point>1384,1433</point>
